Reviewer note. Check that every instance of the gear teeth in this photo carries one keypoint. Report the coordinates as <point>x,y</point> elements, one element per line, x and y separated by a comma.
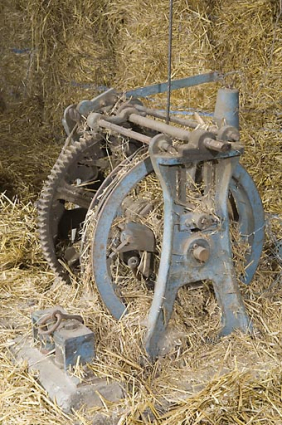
<point>67,159</point>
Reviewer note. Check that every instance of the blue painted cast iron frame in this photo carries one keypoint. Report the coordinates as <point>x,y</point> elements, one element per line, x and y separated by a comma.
<point>251,222</point>
<point>178,267</point>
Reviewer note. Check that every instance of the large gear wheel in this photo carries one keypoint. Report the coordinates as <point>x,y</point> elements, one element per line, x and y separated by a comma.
<point>74,179</point>
<point>64,201</point>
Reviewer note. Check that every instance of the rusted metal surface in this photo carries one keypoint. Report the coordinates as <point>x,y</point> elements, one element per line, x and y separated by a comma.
<point>63,337</point>
<point>124,131</point>
<point>56,317</point>
<point>217,145</point>
<point>177,133</point>
<point>175,84</point>
<point>157,114</point>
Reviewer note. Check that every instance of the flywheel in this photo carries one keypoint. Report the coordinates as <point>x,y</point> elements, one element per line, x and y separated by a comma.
<point>126,240</point>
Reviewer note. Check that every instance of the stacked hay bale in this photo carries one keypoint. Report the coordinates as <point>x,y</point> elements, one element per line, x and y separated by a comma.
<point>141,46</point>
<point>15,87</point>
<point>52,55</point>
<point>245,39</point>
<point>247,46</point>
<point>16,54</point>
<point>71,49</point>
<point>142,43</point>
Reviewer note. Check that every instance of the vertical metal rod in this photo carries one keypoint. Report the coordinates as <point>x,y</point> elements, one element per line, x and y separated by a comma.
<point>169,61</point>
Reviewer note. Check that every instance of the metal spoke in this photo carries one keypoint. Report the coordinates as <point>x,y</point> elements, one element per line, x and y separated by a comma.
<point>74,194</point>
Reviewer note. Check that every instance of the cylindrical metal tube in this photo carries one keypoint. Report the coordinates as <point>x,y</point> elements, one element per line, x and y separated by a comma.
<point>124,131</point>
<point>227,107</point>
<point>161,115</point>
<point>169,130</point>
<point>217,145</point>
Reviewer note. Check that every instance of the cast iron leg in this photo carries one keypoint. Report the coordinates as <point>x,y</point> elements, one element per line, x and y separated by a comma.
<point>158,320</point>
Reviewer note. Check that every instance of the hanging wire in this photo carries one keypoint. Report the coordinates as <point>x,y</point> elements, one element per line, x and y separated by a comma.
<point>169,61</point>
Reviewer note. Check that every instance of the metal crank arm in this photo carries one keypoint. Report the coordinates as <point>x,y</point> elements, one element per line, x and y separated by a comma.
<point>196,243</point>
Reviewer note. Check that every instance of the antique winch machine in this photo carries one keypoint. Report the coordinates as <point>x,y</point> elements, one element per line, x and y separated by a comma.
<point>117,150</point>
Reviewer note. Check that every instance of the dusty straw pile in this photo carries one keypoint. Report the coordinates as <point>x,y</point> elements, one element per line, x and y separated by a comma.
<point>55,54</point>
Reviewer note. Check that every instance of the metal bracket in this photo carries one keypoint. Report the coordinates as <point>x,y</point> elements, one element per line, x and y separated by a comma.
<point>74,113</point>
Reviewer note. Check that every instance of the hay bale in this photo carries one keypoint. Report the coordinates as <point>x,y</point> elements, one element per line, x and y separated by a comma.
<point>246,39</point>
<point>73,51</point>
<point>19,246</point>
<point>16,53</point>
<point>236,380</point>
<point>141,45</point>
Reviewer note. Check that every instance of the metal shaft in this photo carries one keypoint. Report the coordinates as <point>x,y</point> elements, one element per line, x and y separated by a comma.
<point>124,131</point>
<point>162,116</point>
<point>217,145</point>
<point>161,127</point>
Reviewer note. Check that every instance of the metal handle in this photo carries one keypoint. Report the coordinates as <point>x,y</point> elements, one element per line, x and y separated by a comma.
<point>57,316</point>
